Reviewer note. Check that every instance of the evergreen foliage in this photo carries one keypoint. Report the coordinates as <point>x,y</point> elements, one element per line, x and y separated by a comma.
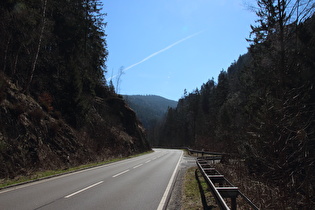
<point>52,65</point>
<point>262,109</point>
<point>149,109</point>
<point>56,47</point>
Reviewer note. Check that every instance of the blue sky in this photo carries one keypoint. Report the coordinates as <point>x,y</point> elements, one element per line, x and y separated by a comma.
<point>166,46</point>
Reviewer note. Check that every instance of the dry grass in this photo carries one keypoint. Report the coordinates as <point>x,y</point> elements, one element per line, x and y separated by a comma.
<point>263,195</point>
<point>191,195</point>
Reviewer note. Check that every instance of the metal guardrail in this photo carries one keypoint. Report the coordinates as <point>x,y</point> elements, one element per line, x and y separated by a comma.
<point>225,188</point>
<point>204,152</point>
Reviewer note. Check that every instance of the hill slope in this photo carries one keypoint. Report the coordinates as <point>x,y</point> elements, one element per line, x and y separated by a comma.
<point>149,108</point>
<point>34,139</point>
<point>56,109</point>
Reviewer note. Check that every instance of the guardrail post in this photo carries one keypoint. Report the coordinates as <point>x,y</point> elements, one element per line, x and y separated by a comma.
<point>213,177</point>
<point>202,193</point>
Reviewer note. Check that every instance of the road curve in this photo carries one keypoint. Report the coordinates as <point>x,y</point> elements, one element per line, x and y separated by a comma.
<point>138,183</point>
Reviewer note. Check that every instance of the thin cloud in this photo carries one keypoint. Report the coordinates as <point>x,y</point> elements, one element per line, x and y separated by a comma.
<point>158,52</point>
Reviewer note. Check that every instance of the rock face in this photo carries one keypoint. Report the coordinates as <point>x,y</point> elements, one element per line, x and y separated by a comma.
<point>32,139</point>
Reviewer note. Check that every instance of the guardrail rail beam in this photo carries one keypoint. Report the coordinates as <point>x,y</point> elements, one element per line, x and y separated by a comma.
<point>225,188</point>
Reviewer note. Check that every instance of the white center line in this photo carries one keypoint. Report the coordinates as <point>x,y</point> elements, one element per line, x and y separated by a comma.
<point>93,185</point>
<point>138,166</point>
<point>121,173</point>
<point>148,161</point>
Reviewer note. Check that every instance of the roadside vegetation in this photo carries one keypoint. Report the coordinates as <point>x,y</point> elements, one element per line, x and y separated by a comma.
<point>57,109</point>
<point>262,108</point>
<point>196,194</point>
<point>191,195</point>
<point>263,195</point>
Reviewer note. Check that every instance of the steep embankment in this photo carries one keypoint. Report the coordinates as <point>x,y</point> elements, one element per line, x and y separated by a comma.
<point>33,139</point>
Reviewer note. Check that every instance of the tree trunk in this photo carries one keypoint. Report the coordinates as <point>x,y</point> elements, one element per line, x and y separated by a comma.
<point>30,78</point>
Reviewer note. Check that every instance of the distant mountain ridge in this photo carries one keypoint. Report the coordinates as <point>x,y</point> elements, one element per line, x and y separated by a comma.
<point>149,108</point>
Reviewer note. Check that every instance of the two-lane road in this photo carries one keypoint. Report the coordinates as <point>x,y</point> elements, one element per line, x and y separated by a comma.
<point>138,183</point>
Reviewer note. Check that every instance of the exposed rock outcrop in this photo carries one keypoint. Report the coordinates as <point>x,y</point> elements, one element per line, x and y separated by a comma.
<point>32,139</point>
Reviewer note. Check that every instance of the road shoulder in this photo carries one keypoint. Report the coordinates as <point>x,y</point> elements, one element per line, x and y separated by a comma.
<point>175,201</point>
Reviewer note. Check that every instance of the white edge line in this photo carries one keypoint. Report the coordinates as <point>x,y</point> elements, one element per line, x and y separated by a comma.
<point>121,173</point>
<point>170,183</point>
<point>93,185</point>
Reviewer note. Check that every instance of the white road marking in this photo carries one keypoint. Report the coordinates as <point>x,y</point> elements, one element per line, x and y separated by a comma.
<point>148,161</point>
<point>93,185</point>
<point>66,175</point>
<point>121,173</point>
<point>169,186</point>
<point>138,166</point>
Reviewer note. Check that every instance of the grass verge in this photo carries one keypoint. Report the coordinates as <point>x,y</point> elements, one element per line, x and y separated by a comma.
<point>5,183</point>
<point>191,195</point>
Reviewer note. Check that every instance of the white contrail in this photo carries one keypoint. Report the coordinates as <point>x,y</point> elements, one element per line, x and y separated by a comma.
<point>158,52</point>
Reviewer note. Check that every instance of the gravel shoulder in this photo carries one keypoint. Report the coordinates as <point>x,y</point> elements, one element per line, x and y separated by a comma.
<point>175,201</point>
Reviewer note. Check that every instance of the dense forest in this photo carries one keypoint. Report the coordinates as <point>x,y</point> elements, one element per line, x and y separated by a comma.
<point>262,109</point>
<point>56,51</point>
<point>150,109</point>
<point>56,109</point>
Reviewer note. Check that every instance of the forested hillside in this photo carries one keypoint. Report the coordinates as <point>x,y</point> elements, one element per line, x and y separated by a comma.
<point>262,108</point>
<point>56,109</point>
<point>150,109</point>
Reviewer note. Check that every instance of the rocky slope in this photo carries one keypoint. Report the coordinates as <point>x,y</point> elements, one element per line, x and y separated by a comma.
<point>34,139</point>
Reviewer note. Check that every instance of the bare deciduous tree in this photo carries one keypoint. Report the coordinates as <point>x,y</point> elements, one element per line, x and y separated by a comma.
<point>30,78</point>
<point>118,80</point>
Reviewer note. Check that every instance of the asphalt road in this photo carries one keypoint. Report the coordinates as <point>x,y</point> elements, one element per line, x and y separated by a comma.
<point>138,183</point>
